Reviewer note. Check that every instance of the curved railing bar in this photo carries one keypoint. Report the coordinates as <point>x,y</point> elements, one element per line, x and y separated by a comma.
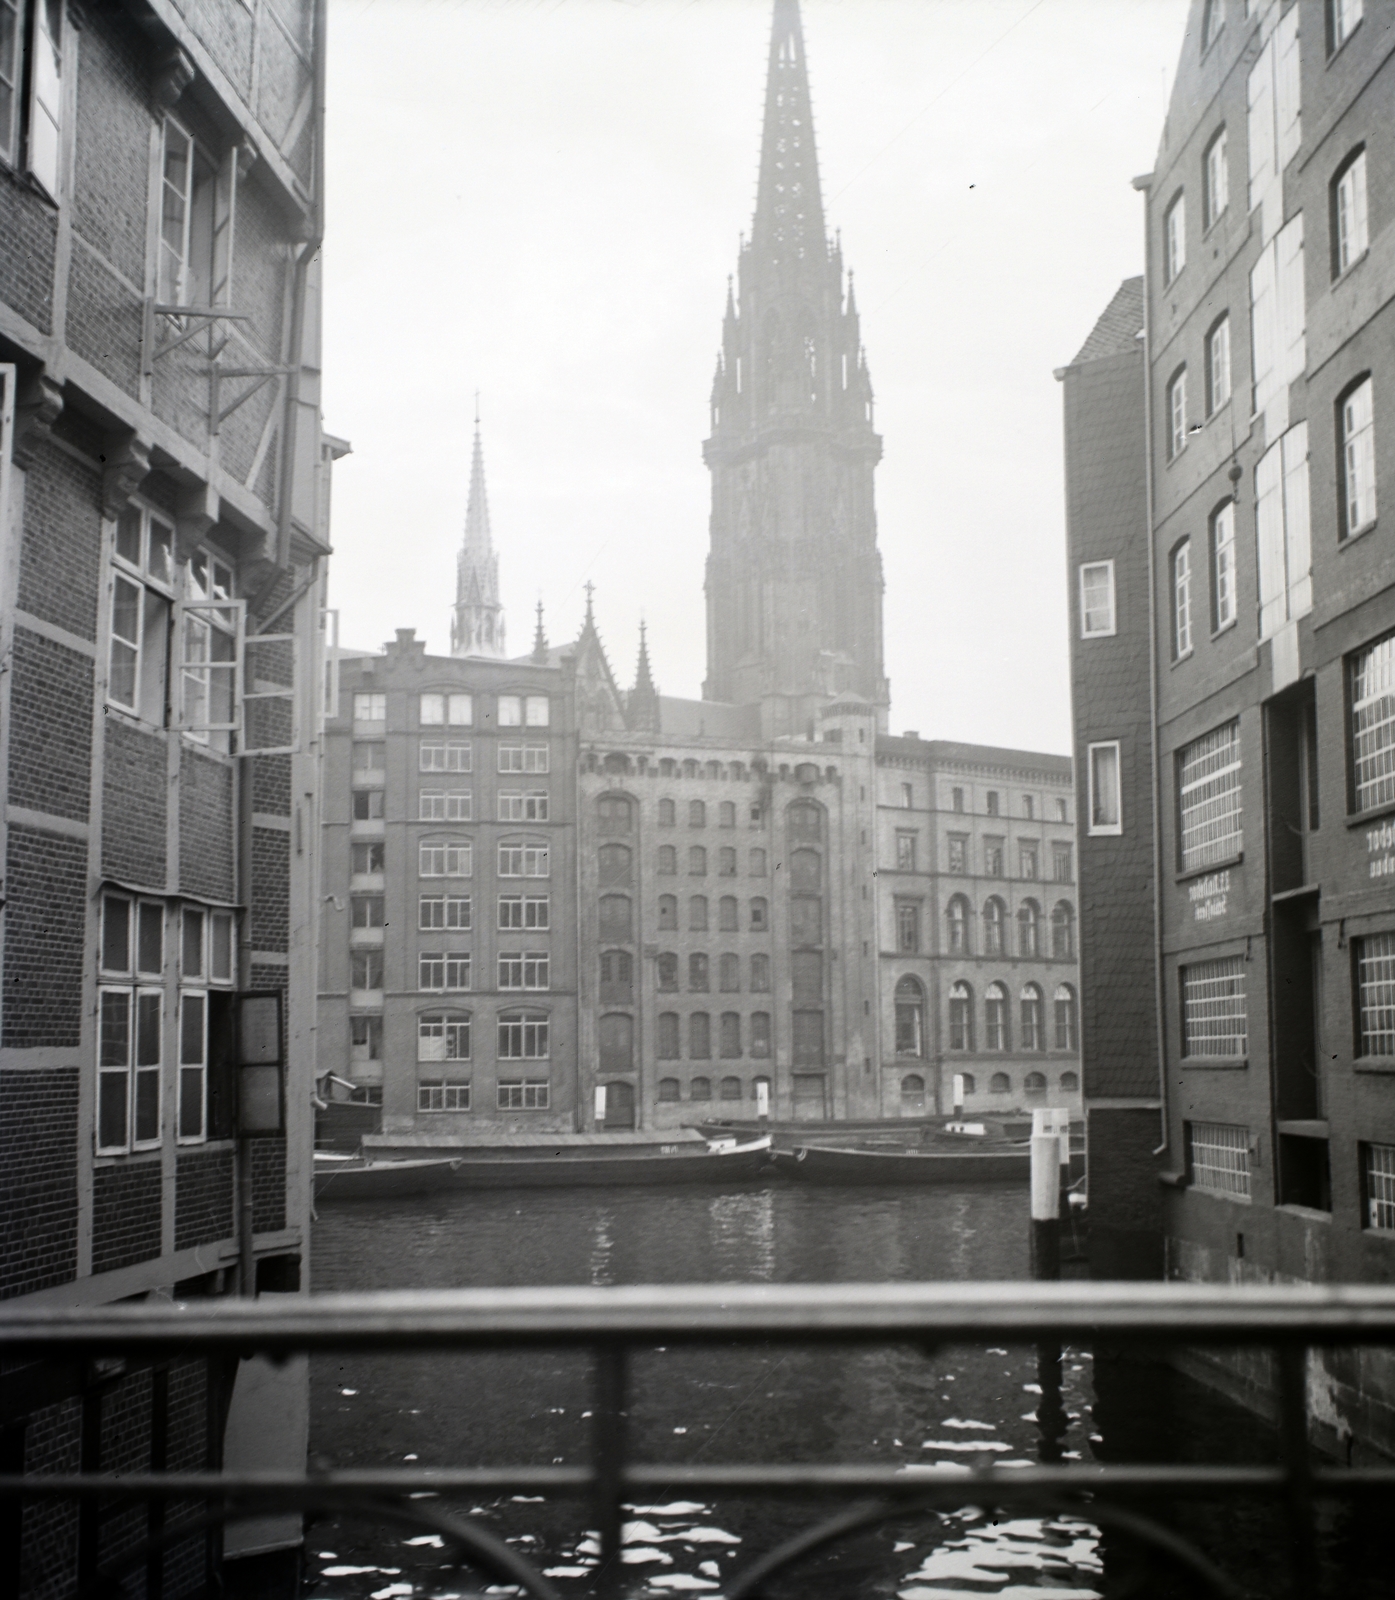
<point>477,1546</point>
<point>747,1585</point>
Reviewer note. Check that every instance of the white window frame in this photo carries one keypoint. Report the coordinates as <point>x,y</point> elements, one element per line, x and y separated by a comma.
<point>1175,237</point>
<point>1216,184</point>
<point>193,1070</point>
<point>1223,565</point>
<point>153,579</point>
<point>456,858</point>
<point>1105,752</point>
<point>1357,425</point>
<point>12,81</point>
<point>1218,379</point>
<point>44,153</point>
<point>130,1070</point>
<point>1371,688</point>
<point>535,1036</point>
<point>1182,600</point>
<point>534,912</point>
<point>374,703</point>
<point>510,710</point>
<point>1344,15</point>
<point>523,858</point>
<point>1088,573</point>
<point>1350,215</point>
<point>1375,996</point>
<point>1177,413</point>
<point>1211,801</point>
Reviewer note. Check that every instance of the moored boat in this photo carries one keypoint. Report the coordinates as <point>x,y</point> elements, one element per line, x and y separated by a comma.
<point>558,1165</point>
<point>350,1178</point>
<point>998,1163</point>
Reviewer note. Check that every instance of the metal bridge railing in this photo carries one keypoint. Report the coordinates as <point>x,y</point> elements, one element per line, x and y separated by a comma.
<point>614,1322</point>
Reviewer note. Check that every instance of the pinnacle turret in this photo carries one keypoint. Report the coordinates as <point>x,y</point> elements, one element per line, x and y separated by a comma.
<point>477,627</point>
<point>540,640</point>
<point>643,700</point>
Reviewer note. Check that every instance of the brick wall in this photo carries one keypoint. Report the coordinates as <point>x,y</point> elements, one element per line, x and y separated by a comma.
<point>60,558</point>
<point>113,142</point>
<point>51,1444</point>
<point>28,233</point>
<point>205,826</point>
<point>271,860</point>
<point>271,785</point>
<point>38,1179</point>
<point>104,320</point>
<point>203,1197</point>
<point>133,805</point>
<point>45,921</point>
<point>50,727</point>
<point>1126,1200</point>
<point>126,1214</point>
<point>268,1185</point>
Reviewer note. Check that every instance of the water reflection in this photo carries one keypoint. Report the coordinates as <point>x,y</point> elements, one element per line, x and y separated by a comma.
<point>743,1236</point>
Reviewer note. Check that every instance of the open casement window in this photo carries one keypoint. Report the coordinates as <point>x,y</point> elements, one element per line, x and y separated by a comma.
<point>142,600</point>
<point>44,155</point>
<point>198,208</point>
<point>232,684</point>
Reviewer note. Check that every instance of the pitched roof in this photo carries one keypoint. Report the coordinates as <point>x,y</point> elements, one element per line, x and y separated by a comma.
<point>1118,327</point>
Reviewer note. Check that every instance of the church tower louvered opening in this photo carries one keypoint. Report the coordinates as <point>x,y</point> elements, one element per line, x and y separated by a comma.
<point>794,578</point>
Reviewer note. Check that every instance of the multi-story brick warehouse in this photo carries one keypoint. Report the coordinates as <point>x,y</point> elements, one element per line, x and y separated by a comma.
<point>1268,445</point>
<point>163,518</point>
<point>756,887</point>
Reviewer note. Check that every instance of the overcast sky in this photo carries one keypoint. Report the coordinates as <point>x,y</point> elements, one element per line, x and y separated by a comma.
<point>541,200</point>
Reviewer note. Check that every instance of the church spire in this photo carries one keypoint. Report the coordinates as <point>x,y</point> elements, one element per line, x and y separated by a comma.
<point>477,628</point>
<point>788,226</point>
<point>643,699</point>
<point>540,640</point>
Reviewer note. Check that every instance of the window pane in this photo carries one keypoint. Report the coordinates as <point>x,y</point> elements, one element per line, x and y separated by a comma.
<point>1209,794</point>
<point>1214,1021</point>
<point>116,934</point>
<point>1373,724</point>
<point>192,948</point>
<point>1375,986</point>
<point>1218,1157</point>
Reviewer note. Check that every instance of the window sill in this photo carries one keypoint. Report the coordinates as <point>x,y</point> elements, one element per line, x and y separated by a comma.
<point>1374,1065</point>
<point>1363,819</point>
<point>1099,633</point>
<point>1350,268</point>
<point>1178,661</point>
<point>1209,868</point>
<point>1225,627</point>
<point>1217,1063</point>
<point>1345,42</point>
<point>1349,539</point>
<point>1105,832</point>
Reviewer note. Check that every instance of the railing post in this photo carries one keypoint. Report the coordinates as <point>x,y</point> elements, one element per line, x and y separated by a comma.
<point>608,1461</point>
<point>1293,1439</point>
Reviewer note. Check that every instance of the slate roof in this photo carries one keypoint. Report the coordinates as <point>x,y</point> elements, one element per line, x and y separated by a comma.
<point>1118,327</point>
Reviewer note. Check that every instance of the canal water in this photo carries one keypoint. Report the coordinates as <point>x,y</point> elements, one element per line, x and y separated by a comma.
<point>776,1403</point>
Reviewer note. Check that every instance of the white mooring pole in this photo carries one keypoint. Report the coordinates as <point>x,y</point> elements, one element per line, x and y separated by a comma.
<point>1046,1205</point>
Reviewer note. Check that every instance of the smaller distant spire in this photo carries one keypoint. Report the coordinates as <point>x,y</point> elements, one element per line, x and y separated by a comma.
<point>540,640</point>
<point>642,702</point>
<point>477,626</point>
<point>590,621</point>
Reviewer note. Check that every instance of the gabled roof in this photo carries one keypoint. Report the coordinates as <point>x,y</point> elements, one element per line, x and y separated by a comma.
<point>1118,327</point>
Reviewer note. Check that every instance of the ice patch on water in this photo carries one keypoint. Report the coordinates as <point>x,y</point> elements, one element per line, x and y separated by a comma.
<point>901,1545</point>
<point>433,1539</point>
<point>696,1535</point>
<point>709,1569</point>
<point>681,1580</point>
<point>328,1555</point>
<point>348,1391</point>
<point>350,1572</point>
<point>995,1350</point>
<point>965,1422</point>
<point>391,1590</point>
<point>675,1508</point>
<point>637,1555</point>
<point>1014,1591</point>
<point>566,1572</point>
<point>634,1532</point>
<point>1031,1388</point>
<point>524,1500</point>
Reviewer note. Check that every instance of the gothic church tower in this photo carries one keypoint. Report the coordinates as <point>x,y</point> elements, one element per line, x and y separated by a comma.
<point>794,578</point>
<point>477,625</point>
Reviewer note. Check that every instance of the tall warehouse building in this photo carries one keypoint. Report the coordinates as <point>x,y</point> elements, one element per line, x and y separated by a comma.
<point>163,533</point>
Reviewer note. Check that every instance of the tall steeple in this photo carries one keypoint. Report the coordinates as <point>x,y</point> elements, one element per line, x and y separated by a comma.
<point>477,627</point>
<point>642,703</point>
<point>794,579</point>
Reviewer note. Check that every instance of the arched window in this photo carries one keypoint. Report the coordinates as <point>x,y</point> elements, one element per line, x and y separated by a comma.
<point>804,821</point>
<point>730,1038</point>
<point>738,774</point>
<point>961,1017</point>
<point>760,973</point>
<point>806,870</point>
<point>994,921</point>
<point>1029,929</point>
<point>1035,1083</point>
<point>616,1036</point>
<point>957,914</point>
<point>668,861</point>
<point>1000,1083</point>
<point>731,973</point>
<point>913,1095</point>
<point>697,861</point>
<point>666,966</point>
<point>700,1037</point>
<point>727,914</point>
<point>667,818</point>
<point>1063,931</point>
<point>445,858</point>
<point>910,1018</point>
<point>668,1036</point>
<point>1033,1033</point>
<point>698,976</point>
<point>668,911</point>
<point>700,1089</point>
<point>726,862</point>
<point>668,768</point>
<point>757,867</point>
<point>668,1088</point>
<point>443,1036</point>
<point>731,1089</point>
<point>697,913</point>
<point>617,977</point>
<point>760,1034</point>
<point>614,813</point>
<point>614,862</point>
<point>714,769</point>
<point>1070,1082</point>
<point>760,914</point>
<point>970,1083</point>
<point>523,1036</point>
<point>995,1018</point>
<point>726,814</point>
<point>697,813</point>
<point>616,761</point>
<point>616,917</point>
<point>1067,1029</point>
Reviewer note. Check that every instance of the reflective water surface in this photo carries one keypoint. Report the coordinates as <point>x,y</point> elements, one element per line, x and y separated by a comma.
<point>769,1403</point>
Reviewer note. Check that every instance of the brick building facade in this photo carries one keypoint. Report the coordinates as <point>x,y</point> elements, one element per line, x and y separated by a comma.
<point>1267,445</point>
<point>163,519</point>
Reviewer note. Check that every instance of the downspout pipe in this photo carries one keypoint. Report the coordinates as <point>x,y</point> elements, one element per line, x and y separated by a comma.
<point>308,251</point>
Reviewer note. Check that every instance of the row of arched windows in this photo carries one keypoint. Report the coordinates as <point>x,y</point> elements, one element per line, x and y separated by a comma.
<point>1033,1083</point>
<point>700,1088</point>
<point>998,1020</point>
<point>618,764</point>
<point>731,1030</point>
<point>959,917</point>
